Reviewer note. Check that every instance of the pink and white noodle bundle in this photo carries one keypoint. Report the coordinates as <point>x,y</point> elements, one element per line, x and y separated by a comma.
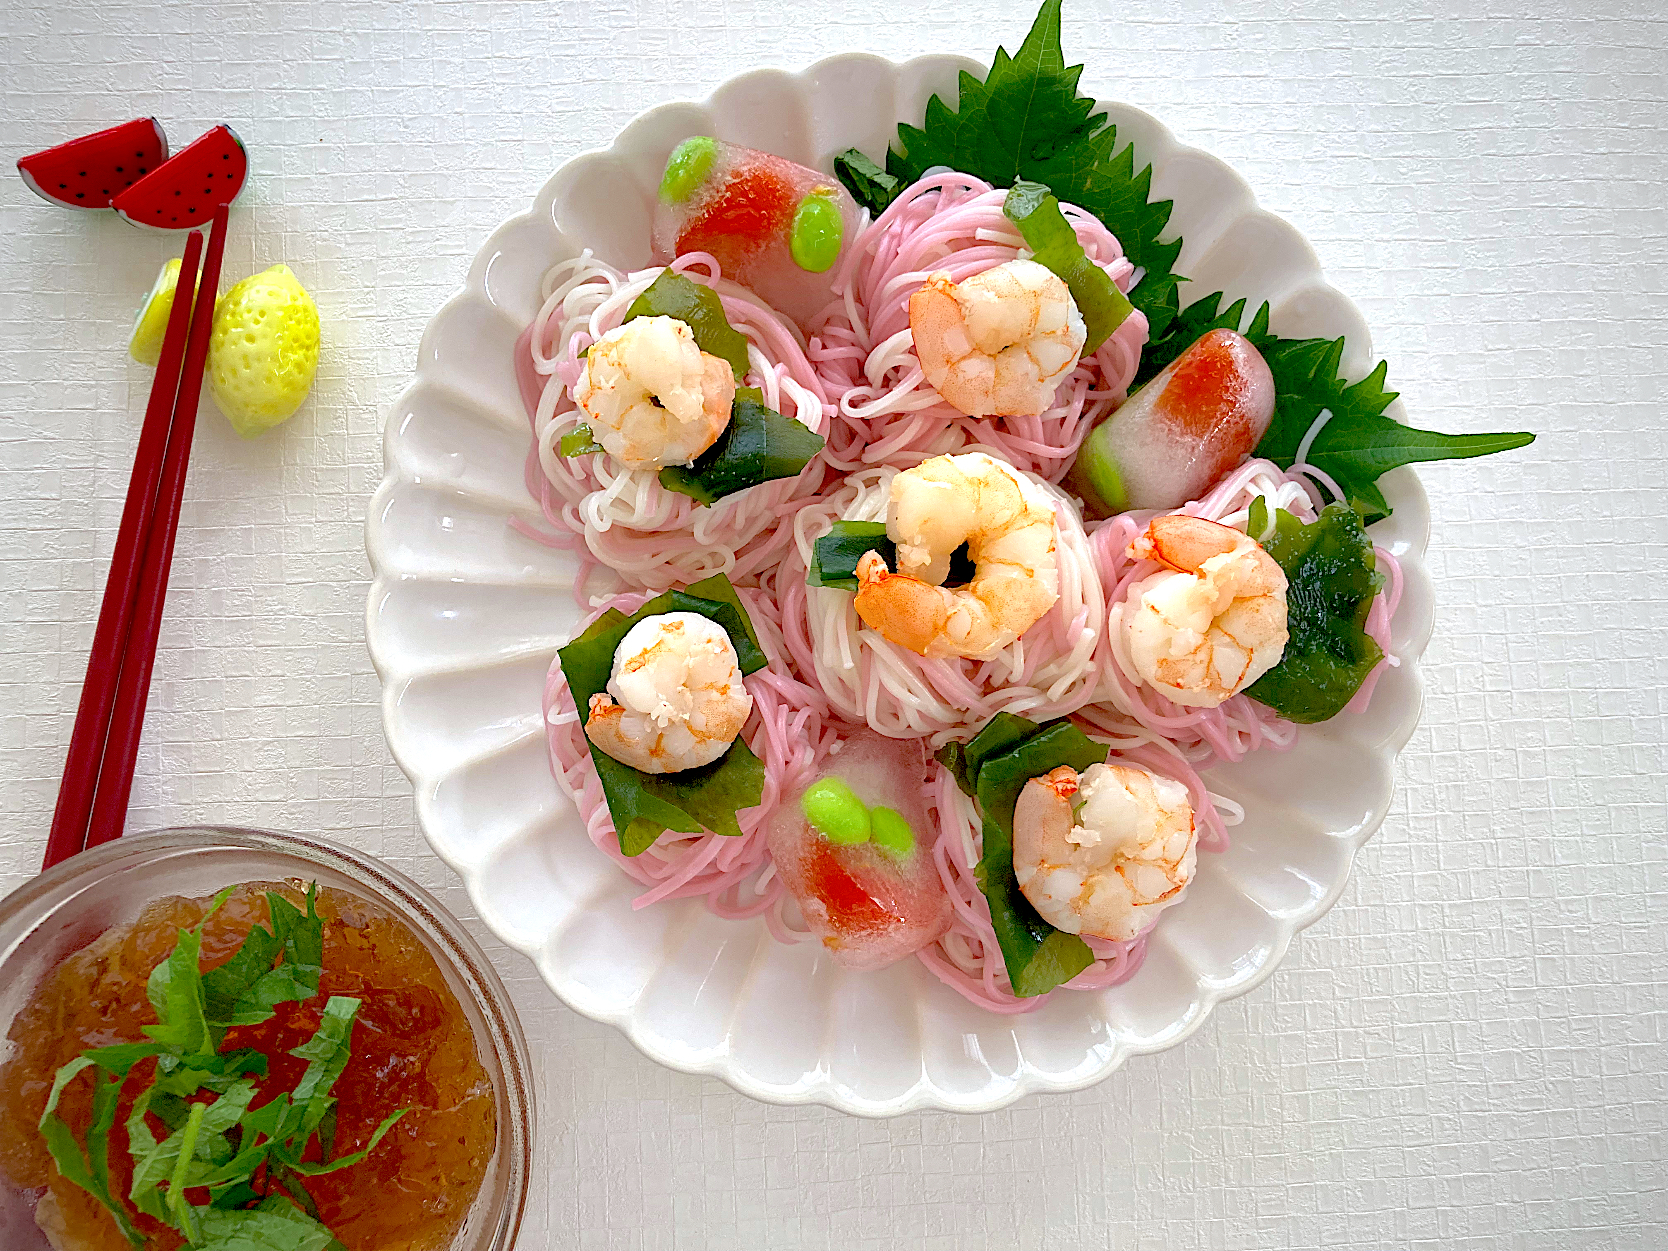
<point>864,353</point>
<point>968,959</point>
<point>1240,724</point>
<point>786,731</point>
<point>628,530</point>
<point>1048,672</point>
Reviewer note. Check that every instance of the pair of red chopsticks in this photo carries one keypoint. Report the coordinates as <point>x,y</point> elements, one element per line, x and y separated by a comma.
<point>98,771</point>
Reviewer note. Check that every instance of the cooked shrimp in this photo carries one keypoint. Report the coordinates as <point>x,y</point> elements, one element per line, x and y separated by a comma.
<point>1215,622</point>
<point>681,701</point>
<point>652,396</point>
<point>999,343</point>
<point>1010,530</point>
<point>1104,853</point>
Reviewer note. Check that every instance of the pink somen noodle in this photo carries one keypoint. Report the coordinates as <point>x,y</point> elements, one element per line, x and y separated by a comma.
<point>628,531</point>
<point>1239,725</point>
<point>863,352</point>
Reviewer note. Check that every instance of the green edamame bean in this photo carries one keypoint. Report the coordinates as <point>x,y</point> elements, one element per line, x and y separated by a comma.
<point>835,812</point>
<point>817,234</point>
<point>687,167</point>
<point>891,831</point>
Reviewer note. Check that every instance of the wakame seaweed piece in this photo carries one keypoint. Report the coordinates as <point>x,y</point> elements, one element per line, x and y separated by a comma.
<point>759,445</point>
<point>699,308</point>
<point>1034,210</point>
<point>869,184</point>
<point>175,990</point>
<point>1038,956</point>
<point>1359,442</point>
<point>1331,578</point>
<point>580,441</point>
<point>835,555</point>
<point>998,736</point>
<point>719,589</point>
<point>643,805</point>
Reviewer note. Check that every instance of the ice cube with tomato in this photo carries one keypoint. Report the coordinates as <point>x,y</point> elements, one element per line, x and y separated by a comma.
<point>854,849</point>
<point>1194,423</point>
<point>777,228</point>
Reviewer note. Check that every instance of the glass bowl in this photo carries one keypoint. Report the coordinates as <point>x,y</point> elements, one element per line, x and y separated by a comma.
<point>64,909</point>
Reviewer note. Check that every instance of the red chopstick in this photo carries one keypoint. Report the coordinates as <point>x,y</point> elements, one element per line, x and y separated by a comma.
<point>98,689</point>
<point>115,775</point>
<point>98,768</point>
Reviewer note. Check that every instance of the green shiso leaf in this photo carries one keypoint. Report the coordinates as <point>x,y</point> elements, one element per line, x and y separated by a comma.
<point>699,308</point>
<point>1032,208</point>
<point>1331,577</point>
<point>201,1137</point>
<point>89,1169</point>
<point>219,1143</point>
<point>247,988</point>
<point>869,184</point>
<point>107,1093</point>
<point>178,1205</point>
<point>1358,443</point>
<point>275,1224</point>
<point>644,805</point>
<point>225,986</point>
<point>1038,956</point>
<point>348,1161</point>
<point>121,1058</point>
<point>578,442</point>
<point>327,1053</point>
<point>1025,120</point>
<point>759,445</point>
<point>175,989</point>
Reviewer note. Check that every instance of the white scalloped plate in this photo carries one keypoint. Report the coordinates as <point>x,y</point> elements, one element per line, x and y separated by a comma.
<point>465,616</point>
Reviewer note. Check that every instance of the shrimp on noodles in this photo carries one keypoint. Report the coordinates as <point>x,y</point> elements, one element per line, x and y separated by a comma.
<point>1101,854</point>
<point>1214,621</point>
<point>675,700</point>
<point>653,396</point>
<point>998,343</point>
<point>1010,530</point>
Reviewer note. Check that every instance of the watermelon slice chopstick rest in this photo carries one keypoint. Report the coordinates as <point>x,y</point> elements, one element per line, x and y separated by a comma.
<point>189,187</point>
<point>93,170</point>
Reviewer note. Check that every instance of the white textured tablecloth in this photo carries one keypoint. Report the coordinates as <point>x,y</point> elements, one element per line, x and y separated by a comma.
<point>1471,1050</point>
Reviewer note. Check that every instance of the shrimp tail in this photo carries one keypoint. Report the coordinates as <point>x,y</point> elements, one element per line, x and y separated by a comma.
<point>903,610</point>
<point>1184,543</point>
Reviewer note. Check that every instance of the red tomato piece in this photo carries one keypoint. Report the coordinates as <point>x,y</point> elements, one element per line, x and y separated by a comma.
<point>753,208</point>
<point>1211,399</point>
<point>851,908</point>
